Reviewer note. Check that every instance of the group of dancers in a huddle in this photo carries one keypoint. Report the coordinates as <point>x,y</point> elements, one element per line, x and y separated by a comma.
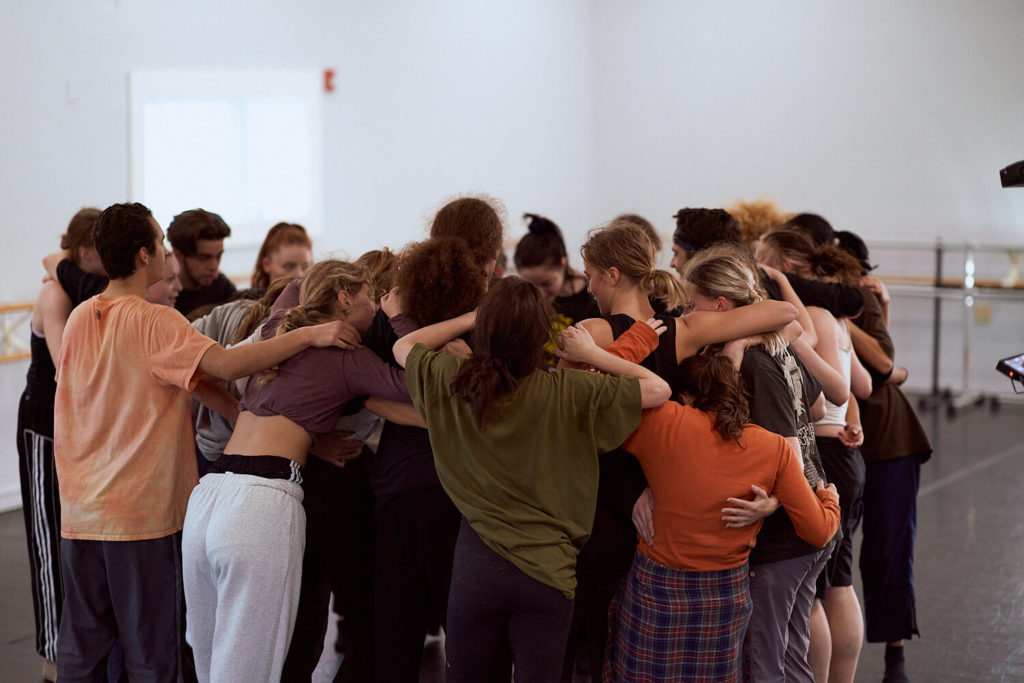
<point>624,473</point>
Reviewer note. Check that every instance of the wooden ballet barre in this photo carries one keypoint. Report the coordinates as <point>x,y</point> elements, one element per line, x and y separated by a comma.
<point>8,339</point>
<point>953,282</point>
<point>17,306</point>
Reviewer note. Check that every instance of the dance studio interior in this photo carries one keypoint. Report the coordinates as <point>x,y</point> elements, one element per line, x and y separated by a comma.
<point>898,123</point>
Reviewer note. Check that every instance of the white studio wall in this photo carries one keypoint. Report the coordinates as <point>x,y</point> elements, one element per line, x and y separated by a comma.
<point>890,119</point>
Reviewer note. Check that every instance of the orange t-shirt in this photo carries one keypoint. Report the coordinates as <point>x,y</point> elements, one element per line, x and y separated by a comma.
<point>123,442</point>
<point>691,471</point>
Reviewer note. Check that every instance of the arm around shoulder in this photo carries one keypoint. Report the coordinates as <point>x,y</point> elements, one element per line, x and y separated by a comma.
<point>244,360</point>
<point>433,336</point>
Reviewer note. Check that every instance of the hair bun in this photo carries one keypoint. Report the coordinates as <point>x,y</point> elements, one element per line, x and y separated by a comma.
<point>540,224</point>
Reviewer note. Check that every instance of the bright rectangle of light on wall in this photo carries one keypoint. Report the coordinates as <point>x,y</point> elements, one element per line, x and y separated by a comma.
<point>243,143</point>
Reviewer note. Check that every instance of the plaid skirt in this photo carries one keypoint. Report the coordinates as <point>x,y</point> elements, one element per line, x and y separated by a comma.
<point>672,625</point>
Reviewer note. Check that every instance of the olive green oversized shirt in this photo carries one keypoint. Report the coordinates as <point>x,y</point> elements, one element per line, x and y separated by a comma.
<point>526,479</point>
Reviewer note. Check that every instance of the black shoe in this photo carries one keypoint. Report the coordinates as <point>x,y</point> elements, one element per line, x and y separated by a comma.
<point>895,667</point>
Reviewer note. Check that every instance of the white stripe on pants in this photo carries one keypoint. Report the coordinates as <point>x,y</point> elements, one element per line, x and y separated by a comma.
<point>41,509</point>
<point>242,551</point>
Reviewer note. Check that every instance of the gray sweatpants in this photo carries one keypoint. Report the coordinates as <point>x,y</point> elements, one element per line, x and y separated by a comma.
<point>779,632</point>
<point>242,551</point>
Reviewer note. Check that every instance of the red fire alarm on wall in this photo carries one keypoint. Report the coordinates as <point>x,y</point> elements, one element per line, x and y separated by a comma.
<point>328,80</point>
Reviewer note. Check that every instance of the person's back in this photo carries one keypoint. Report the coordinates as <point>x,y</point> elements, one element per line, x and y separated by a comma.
<point>125,468</point>
<point>684,606</point>
<point>691,470</point>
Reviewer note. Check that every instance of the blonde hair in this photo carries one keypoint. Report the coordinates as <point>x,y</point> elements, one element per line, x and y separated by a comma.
<point>318,298</point>
<point>756,217</point>
<point>728,271</point>
<point>381,265</point>
<point>628,248</point>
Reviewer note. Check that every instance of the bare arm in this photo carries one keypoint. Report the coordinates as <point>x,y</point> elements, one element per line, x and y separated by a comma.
<point>214,396</point>
<point>601,331</point>
<point>832,381</point>
<point>433,336</point>
<point>54,308</point>
<point>50,262</point>
<point>788,294</point>
<point>700,328</point>
<point>852,433</point>
<point>579,346</point>
<point>393,411</point>
<point>746,512</point>
<point>335,447</point>
<point>244,360</point>
<point>869,350</point>
<point>873,283</point>
<point>860,379</point>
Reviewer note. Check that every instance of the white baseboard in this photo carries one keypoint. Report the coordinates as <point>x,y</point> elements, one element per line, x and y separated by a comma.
<point>10,498</point>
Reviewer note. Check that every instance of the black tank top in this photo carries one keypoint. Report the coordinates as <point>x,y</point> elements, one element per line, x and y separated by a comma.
<point>662,360</point>
<point>40,379</point>
<point>621,479</point>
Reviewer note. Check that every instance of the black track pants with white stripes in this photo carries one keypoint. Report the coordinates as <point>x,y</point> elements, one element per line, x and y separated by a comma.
<point>41,506</point>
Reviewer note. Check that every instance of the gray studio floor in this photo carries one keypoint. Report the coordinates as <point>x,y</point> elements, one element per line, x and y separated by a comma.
<point>969,566</point>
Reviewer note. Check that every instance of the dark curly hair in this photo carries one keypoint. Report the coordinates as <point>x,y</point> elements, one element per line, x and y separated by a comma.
<point>439,279</point>
<point>698,229</point>
<point>120,231</point>
<point>475,220</point>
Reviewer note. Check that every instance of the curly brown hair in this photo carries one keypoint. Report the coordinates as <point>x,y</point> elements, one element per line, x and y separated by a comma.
<point>439,279</point>
<point>477,220</point>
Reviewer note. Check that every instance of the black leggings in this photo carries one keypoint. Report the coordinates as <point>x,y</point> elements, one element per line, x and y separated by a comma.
<point>493,606</point>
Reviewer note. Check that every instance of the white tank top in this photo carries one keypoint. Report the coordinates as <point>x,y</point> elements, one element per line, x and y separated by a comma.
<point>836,414</point>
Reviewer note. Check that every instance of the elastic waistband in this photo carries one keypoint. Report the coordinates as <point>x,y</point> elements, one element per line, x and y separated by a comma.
<point>266,466</point>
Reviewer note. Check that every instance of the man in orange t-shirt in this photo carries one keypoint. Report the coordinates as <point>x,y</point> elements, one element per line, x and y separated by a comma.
<point>124,453</point>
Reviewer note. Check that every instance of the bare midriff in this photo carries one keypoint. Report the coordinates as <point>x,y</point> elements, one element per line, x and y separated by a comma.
<point>270,435</point>
<point>828,430</point>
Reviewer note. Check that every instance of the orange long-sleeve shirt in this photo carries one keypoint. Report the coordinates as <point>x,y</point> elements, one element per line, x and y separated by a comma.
<point>692,470</point>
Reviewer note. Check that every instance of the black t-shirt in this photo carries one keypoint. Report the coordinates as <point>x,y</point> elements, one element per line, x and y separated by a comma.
<point>219,291</point>
<point>781,393</point>
<point>576,307</point>
<point>79,284</point>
